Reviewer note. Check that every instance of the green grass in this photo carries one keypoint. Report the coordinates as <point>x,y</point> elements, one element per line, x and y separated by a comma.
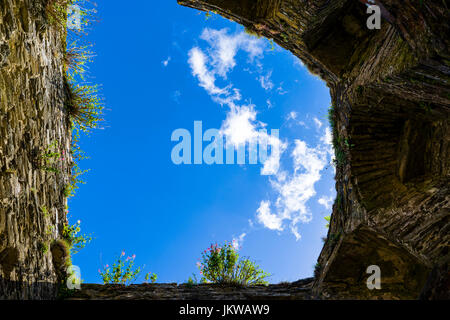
<point>84,105</point>
<point>76,58</point>
<point>43,247</point>
<point>49,161</point>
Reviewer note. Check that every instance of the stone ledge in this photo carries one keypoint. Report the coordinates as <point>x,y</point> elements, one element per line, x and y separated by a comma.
<point>299,290</point>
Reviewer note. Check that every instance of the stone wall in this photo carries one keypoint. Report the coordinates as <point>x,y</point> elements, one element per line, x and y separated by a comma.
<point>300,290</point>
<point>390,90</point>
<point>33,123</point>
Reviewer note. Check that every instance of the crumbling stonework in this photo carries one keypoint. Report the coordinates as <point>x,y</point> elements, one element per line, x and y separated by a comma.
<point>391,101</point>
<point>33,123</point>
<point>300,290</point>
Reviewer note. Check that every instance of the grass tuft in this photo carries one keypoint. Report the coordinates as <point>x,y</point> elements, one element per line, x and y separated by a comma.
<point>84,105</point>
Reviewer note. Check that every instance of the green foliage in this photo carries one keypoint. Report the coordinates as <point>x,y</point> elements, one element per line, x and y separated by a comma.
<point>348,144</point>
<point>43,247</point>
<point>328,219</point>
<point>75,240</point>
<point>50,158</point>
<point>44,211</point>
<point>121,272</point>
<point>152,277</point>
<point>192,280</point>
<point>84,105</point>
<point>331,112</point>
<point>57,13</point>
<point>426,107</point>
<point>76,58</point>
<point>251,32</point>
<point>333,238</point>
<point>222,265</point>
<point>77,172</point>
<point>340,156</point>
<point>317,270</point>
<point>272,46</point>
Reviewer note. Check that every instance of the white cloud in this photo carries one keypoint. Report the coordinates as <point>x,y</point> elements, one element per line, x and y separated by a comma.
<point>326,201</point>
<point>292,116</point>
<point>280,90</point>
<point>198,62</point>
<point>237,242</point>
<point>166,62</point>
<point>240,125</point>
<point>297,62</point>
<point>294,190</point>
<point>272,164</point>
<point>327,138</point>
<point>266,82</point>
<point>268,219</point>
<point>318,123</point>
<point>224,48</point>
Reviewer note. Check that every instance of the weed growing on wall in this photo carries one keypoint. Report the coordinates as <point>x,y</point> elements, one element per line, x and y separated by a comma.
<point>222,265</point>
<point>123,271</point>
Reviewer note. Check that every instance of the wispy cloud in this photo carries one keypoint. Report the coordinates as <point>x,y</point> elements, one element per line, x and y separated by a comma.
<point>216,61</point>
<point>292,116</point>
<point>165,63</point>
<point>176,96</point>
<point>267,218</point>
<point>266,82</point>
<point>326,201</point>
<point>294,189</point>
<point>198,62</point>
<point>280,90</point>
<point>224,47</point>
<point>238,242</point>
<point>317,122</point>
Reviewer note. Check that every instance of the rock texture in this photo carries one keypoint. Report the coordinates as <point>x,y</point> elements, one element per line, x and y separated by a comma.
<point>391,101</point>
<point>33,124</point>
<point>300,290</point>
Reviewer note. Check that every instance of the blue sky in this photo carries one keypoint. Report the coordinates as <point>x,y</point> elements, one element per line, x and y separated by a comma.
<point>162,67</point>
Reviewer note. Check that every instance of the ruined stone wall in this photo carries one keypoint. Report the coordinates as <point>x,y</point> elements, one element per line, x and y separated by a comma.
<point>300,290</point>
<point>33,124</point>
<point>390,90</point>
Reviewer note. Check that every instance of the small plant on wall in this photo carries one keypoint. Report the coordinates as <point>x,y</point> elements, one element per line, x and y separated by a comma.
<point>123,271</point>
<point>222,265</point>
<point>77,241</point>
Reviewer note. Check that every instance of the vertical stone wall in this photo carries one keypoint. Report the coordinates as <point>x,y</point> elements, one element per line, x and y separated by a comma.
<point>33,128</point>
